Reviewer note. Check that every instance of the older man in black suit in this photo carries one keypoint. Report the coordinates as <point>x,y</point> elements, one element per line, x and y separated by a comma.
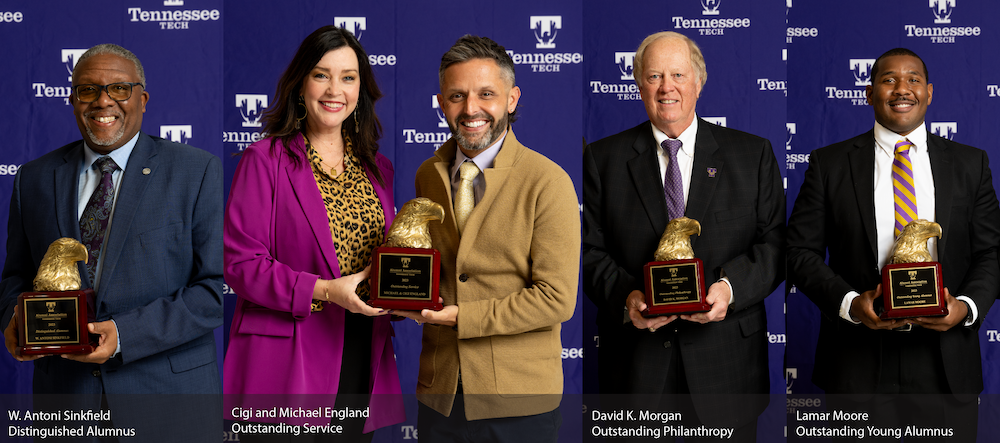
<point>634,183</point>
<point>846,208</point>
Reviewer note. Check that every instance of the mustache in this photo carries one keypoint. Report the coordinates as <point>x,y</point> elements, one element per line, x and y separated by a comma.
<point>476,116</point>
<point>114,113</point>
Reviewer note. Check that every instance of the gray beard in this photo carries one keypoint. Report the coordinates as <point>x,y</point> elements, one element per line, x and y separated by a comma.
<point>484,142</point>
<point>114,138</point>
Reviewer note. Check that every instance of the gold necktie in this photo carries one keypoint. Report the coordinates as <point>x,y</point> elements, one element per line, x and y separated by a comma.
<point>465,198</point>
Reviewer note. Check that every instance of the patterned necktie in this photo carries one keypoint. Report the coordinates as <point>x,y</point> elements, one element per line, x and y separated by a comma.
<point>902,186</point>
<point>465,198</point>
<point>673,185</point>
<point>94,221</point>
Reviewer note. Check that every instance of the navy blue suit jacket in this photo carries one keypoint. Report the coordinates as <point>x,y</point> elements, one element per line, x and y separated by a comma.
<point>162,269</point>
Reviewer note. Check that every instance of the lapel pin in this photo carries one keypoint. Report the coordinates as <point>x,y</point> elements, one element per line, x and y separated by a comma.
<point>146,171</point>
<point>711,172</point>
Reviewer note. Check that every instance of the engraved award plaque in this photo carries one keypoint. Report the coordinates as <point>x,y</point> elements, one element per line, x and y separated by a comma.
<point>912,285</point>
<point>53,319</point>
<point>675,282</point>
<point>405,278</point>
<point>55,322</point>
<point>406,271</point>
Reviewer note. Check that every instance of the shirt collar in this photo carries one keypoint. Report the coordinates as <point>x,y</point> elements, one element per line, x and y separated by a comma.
<point>885,139</point>
<point>120,155</point>
<point>687,137</point>
<point>483,160</point>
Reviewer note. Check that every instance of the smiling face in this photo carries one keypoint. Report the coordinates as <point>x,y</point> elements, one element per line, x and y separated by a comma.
<point>330,91</point>
<point>669,85</point>
<point>900,93</point>
<point>475,100</point>
<point>106,124</point>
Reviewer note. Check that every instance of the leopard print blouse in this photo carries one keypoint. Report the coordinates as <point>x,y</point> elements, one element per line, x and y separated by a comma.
<point>357,222</point>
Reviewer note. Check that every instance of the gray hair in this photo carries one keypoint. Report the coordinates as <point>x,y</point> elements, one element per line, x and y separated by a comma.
<point>697,60</point>
<point>113,49</point>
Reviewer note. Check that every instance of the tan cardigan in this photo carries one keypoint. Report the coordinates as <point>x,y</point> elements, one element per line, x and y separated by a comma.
<point>514,278</point>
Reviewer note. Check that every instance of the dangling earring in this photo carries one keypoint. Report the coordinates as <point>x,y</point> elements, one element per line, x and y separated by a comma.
<point>357,127</point>
<point>298,120</point>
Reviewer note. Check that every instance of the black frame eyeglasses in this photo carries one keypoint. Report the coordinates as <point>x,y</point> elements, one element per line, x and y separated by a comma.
<point>118,92</point>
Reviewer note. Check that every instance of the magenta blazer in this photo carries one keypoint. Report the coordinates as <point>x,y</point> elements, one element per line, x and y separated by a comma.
<point>277,244</point>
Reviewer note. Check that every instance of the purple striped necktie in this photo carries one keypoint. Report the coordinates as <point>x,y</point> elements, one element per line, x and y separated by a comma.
<point>94,222</point>
<point>904,193</point>
<point>673,185</point>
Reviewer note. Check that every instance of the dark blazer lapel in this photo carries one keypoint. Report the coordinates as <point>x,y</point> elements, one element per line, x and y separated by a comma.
<point>703,182</point>
<point>941,170</point>
<point>303,184</point>
<point>66,189</point>
<point>130,197</point>
<point>645,171</point>
<point>862,164</point>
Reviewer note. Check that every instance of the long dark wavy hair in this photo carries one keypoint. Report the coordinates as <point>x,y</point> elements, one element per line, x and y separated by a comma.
<point>279,120</point>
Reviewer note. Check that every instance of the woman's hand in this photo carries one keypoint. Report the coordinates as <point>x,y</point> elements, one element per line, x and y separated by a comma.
<point>342,292</point>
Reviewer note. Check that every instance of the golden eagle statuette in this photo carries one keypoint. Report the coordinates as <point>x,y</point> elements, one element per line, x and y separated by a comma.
<point>911,245</point>
<point>409,228</point>
<point>675,244</point>
<point>58,270</point>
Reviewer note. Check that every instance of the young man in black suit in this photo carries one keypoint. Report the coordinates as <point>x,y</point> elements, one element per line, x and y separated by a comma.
<point>846,209</point>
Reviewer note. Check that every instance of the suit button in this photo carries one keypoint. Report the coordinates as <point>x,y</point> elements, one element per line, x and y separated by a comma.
<point>463,278</point>
<point>666,344</point>
<point>96,373</point>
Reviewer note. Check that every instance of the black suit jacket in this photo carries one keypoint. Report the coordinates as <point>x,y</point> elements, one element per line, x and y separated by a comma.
<point>736,194</point>
<point>835,213</point>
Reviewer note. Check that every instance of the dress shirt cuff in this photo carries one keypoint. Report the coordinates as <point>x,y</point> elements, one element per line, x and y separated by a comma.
<point>845,307</point>
<point>118,338</point>
<point>972,307</point>
<point>732,293</point>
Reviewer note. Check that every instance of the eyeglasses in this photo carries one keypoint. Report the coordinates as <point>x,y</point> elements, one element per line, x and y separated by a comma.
<point>117,91</point>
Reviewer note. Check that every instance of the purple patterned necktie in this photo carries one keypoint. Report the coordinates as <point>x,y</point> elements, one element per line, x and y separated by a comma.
<point>673,185</point>
<point>902,186</point>
<point>94,221</point>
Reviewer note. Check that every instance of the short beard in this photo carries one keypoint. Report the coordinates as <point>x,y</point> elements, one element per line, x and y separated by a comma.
<point>114,138</point>
<point>483,142</point>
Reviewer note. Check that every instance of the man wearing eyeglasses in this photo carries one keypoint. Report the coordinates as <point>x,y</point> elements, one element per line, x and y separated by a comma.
<point>149,212</point>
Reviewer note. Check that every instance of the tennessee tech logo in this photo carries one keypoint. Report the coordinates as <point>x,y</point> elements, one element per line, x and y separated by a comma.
<point>354,25</point>
<point>545,28</point>
<point>69,58</point>
<point>51,305</point>
<point>406,261</point>
<point>862,69</point>
<point>789,133</point>
<point>710,7</point>
<point>625,62</point>
<point>251,106</point>
<point>945,129</point>
<point>942,10</point>
<point>721,121</point>
<point>176,133</point>
<point>442,122</point>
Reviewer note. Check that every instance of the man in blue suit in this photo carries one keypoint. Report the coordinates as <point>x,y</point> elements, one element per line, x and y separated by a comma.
<point>157,273</point>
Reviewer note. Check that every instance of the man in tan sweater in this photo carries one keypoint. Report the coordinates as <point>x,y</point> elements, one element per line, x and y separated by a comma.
<point>510,250</point>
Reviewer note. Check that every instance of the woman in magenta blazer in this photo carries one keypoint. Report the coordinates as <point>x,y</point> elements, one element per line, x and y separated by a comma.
<point>307,206</point>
